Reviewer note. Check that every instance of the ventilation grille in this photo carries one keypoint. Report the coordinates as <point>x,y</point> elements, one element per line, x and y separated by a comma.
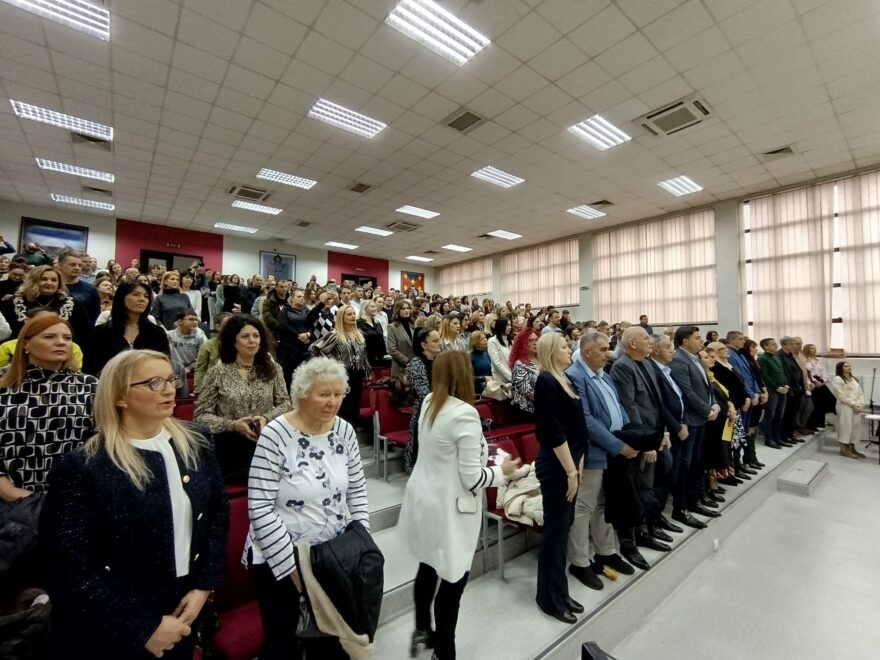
<point>675,117</point>
<point>432,252</point>
<point>601,203</point>
<point>303,223</point>
<point>776,154</point>
<point>249,193</point>
<point>464,120</point>
<point>102,192</point>
<point>79,138</point>
<point>402,226</point>
<point>360,187</point>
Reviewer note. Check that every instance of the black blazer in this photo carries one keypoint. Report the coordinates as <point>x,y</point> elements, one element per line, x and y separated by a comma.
<point>558,419</point>
<point>640,394</point>
<point>105,343</point>
<point>673,404</point>
<point>110,550</point>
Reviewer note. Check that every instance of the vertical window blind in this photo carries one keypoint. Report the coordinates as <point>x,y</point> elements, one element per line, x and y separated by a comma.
<point>665,269</point>
<point>467,278</point>
<point>543,275</point>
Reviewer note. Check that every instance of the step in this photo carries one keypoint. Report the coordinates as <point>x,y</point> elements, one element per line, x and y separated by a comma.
<point>803,477</point>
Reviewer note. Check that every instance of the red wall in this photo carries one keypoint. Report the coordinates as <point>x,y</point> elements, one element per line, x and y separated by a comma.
<point>339,263</point>
<point>132,237</point>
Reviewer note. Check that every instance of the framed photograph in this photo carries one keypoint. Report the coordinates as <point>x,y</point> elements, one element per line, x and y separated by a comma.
<point>281,266</point>
<point>411,280</point>
<point>54,237</point>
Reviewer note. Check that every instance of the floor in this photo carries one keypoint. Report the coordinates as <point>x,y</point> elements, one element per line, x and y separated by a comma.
<point>798,580</point>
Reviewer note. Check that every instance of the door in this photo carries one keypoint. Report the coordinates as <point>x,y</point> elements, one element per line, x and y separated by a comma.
<point>170,260</point>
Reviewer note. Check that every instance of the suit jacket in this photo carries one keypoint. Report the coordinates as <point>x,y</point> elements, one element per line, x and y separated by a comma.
<point>603,443</point>
<point>692,379</point>
<point>399,348</point>
<point>639,392</point>
<point>674,405</point>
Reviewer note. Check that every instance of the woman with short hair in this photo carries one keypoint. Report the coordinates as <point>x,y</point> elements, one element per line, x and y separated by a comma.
<point>135,524</point>
<point>43,288</point>
<point>241,394</point>
<point>480,361</point>
<point>170,302</point>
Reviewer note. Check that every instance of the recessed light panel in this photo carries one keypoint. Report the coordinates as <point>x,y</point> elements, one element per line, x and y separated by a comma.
<point>508,235</point>
<point>457,248</point>
<point>434,27</point>
<point>336,115</point>
<point>241,228</point>
<point>259,208</point>
<point>79,201</point>
<point>680,186</point>
<point>344,246</point>
<point>600,132</point>
<point>69,122</point>
<point>498,177</point>
<point>375,231</point>
<point>286,179</point>
<point>585,211</point>
<point>83,16</point>
<point>422,259</point>
<point>415,210</point>
<point>84,172</point>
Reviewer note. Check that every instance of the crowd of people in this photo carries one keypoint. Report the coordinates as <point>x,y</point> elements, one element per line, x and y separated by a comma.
<point>134,521</point>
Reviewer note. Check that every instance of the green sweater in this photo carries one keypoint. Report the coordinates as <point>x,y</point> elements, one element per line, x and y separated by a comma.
<point>209,355</point>
<point>772,371</point>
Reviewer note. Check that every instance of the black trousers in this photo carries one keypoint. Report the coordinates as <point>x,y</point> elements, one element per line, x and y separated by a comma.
<point>446,601</point>
<point>234,454</point>
<point>350,409</point>
<point>792,403</point>
<point>664,482</point>
<point>279,613</point>
<point>695,469</point>
<point>552,560</point>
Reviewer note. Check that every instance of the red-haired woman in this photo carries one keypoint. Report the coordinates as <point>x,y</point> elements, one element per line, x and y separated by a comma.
<point>524,372</point>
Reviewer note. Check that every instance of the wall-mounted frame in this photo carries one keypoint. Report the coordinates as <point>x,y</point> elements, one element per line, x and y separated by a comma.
<point>53,237</point>
<point>281,266</point>
<point>410,279</point>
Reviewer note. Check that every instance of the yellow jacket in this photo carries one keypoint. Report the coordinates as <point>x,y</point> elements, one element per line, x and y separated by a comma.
<point>7,350</point>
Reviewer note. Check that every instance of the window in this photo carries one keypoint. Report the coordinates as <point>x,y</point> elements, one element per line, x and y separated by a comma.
<point>467,278</point>
<point>543,275</point>
<point>665,269</point>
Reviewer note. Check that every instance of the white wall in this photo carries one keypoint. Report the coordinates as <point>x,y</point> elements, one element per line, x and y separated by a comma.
<point>242,256</point>
<point>102,227</point>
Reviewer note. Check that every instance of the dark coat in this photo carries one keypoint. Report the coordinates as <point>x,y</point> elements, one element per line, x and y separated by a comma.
<point>106,343</point>
<point>110,549</point>
<point>558,419</point>
<point>629,483</point>
<point>640,394</point>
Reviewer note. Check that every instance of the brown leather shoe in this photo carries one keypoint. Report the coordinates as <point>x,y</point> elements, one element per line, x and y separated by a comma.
<point>845,450</point>
<point>855,451</point>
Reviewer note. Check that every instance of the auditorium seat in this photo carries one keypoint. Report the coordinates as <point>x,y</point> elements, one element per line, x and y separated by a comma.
<point>185,409</point>
<point>529,447</point>
<point>390,425</point>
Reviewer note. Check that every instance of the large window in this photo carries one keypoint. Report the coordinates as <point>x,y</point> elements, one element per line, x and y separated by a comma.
<point>665,269</point>
<point>543,275</point>
<point>467,279</point>
<point>812,264</point>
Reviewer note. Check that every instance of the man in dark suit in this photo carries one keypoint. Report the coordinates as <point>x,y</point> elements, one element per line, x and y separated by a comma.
<point>700,407</point>
<point>603,415</point>
<point>796,388</point>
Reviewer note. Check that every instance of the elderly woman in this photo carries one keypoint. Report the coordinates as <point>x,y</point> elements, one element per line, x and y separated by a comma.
<point>170,302</point>
<point>39,384</point>
<point>446,489</point>
<point>240,395</point>
<point>306,485</point>
<point>426,347</point>
<point>736,393</point>
<point>43,288</point>
<point>135,523</point>
<point>524,372</point>
<point>400,337</point>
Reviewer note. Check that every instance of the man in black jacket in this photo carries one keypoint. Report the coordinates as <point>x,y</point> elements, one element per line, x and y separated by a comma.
<point>796,388</point>
<point>295,324</point>
<point>275,301</point>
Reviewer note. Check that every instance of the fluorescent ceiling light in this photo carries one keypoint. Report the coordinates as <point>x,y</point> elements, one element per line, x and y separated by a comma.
<point>457,248</point>
<point>83,16</point>
<point>69,122</point>
<point>498,177</point>
<point>286,179</point>
<point>434,27</point>
<point>680,185</point>
<point>585,211</point>
<point>259,208</point>
<point>241,228</point>
<point>501,233</point>
<point>415,258</point>
<point>415,210</point>
<point>373,230</point>
<point>79,201</point>
<point>336,115</point>
<point>344,246</point>
<point>76,170</point>
<point>600,132</point>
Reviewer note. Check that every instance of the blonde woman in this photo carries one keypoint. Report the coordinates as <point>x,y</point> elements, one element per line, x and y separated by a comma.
<point>136,529</point>
<point>43,288</point>
<point>562,434</point>
<point>451,336</point>
<point>370,326</point>
<point>346,344</point>
<point>170,302</point>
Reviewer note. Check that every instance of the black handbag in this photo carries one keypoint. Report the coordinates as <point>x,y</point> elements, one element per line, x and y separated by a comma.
<point>591,651</point>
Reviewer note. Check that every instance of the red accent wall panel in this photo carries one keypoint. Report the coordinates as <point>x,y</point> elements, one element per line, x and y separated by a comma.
<point>132,237</point>
<point>339,263</point>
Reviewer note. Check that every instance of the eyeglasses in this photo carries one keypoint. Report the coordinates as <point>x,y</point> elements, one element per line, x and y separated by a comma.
<point>158,384</point>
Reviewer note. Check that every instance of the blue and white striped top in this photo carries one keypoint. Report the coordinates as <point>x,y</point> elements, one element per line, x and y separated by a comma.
<point>302,487</point>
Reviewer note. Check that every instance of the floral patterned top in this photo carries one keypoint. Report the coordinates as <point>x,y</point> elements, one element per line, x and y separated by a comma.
<point>224,396</point>
<point>302,488</point>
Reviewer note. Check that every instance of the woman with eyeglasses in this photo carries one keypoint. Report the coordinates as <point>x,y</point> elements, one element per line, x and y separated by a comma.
<point>241,394</point>
<point>47,406</point>
<point>135,532</point>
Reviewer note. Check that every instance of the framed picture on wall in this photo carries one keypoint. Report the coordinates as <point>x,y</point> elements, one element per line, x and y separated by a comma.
<point>53,237</point>
<point>411,280</point>
<point>281,266</point>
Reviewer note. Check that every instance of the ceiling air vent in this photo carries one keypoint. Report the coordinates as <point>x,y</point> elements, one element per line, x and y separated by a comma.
<point>601,203</point>
<point>360,187</point>
<point>776,154</point>
<point>432,252</point>
<point>676,116</point>
<point>249,193</point>
<point>97,191</point>
<point>79,138</point>
<point>402,226</point>
<point>303,223</point>
<point>464,120</point>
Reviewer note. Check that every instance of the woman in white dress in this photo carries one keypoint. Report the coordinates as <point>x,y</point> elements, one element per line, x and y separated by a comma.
<point>441,510</point>
<point>850,406</point>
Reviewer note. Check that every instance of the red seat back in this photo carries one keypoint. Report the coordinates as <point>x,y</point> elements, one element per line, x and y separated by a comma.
<point>238,586</point>
<point>484,410</point>
<point>510,448</point>
<point>185,409</point>
<point>390,418</point>
<point>530,447</point>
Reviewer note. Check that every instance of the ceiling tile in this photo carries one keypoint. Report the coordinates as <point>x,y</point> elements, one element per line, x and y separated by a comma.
<point>345,24</point>
<point>528,37</point>
<point>274,29</point>
<point>607,28</point>
<point>324,54</point>
<point>626,55</point>
<point>253,55</point>
<point>565,15</point>
<point>207,35</point>
<point>558,60</point>
<point>683,22</point>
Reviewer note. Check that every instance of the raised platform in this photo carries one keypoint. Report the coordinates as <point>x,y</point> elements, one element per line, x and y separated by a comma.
<point>803,477</point>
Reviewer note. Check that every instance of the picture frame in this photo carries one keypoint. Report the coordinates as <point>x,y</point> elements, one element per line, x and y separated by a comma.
<point>53,237</point>
<point>277,264</point>
<point>411,279</point>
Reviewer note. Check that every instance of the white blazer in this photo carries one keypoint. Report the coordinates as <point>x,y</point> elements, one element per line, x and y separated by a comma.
<point>451,465</point>
<point>498,356</point>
